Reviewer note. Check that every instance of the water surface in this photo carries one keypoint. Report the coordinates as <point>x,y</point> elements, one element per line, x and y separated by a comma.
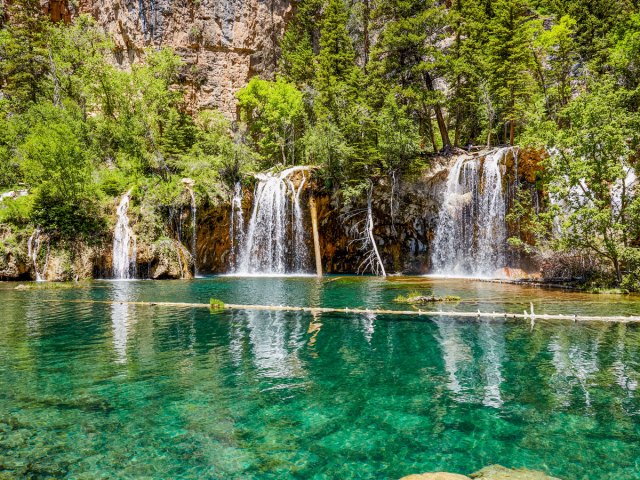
<point>94,390</point>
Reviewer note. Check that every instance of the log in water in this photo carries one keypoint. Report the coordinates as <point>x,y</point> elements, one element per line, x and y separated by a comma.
<point>359,311</point>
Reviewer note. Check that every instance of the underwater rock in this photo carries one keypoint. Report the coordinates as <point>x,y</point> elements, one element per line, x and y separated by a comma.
<point>492,472</point>
<point>436,476</point>
<point>498,472</point>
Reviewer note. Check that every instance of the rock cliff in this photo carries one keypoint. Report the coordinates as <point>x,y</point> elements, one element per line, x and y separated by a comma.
<point>222,42</point>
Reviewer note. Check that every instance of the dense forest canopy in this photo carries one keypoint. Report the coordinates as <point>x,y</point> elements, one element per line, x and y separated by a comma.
<point>366,89</point>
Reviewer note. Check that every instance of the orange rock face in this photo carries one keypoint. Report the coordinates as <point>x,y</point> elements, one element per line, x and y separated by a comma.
<point>222,42</point>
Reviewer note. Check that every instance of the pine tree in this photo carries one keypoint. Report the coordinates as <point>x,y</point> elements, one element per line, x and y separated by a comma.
<point>337,74</point>
<point>25,56</point>
<point>465,68</point>
<point>408,56</point>
<point>509,61</point>
<point>300,43</point>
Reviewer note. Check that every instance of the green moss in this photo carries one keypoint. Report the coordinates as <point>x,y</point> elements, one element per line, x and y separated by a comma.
<point>216,305</point>
<point>418,298</point>
<point>52,285</point>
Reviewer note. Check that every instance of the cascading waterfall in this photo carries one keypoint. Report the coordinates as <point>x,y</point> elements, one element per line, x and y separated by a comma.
<point>236,226</point>
<point>194,231</point>
<point>275,241</point>
<point>124,243</point>
<point>299,233</point>
<point>34,244</point>
<point>470,238</point>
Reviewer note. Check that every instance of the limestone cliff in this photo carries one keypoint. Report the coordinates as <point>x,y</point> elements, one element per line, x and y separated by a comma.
<point>222,42</point>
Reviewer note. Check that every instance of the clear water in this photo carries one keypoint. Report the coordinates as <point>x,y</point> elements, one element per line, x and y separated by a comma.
<point>91,390</point>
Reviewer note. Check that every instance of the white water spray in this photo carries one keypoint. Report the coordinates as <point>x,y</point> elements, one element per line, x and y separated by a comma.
<point>471,235</point>
<point>275,242</point>
<point>194,231</point>
<point>124,243</point>
<point>34,246</point>
<point>236,226</point>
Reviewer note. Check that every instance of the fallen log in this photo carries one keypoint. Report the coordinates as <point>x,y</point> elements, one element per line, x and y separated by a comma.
<point>360,311</point>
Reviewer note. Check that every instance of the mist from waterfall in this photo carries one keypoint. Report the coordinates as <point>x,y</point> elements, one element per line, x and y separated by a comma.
<point>471,235</point>
<point>124,243</point>
<point>275,240</point>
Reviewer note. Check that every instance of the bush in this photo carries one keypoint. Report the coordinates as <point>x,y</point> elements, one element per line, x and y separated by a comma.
<point>631,280</point>
<point>69,218</point>
<point>16,211</point>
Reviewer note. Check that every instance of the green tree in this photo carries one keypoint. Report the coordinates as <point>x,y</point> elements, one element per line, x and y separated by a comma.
<point>509,62</point>
<point>25,56</point>
<point>593,175</point>
<point>275,115</point>
<point>57,167</point>
<point>555,56</point>
<point>408,57</point>
<point>300,44</point>
<point>337,75</point>
<point>464,68</point>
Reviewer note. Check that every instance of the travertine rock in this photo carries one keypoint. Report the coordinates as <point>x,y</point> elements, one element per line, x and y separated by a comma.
<point>436,476</point>
<point>498,472</point>
<point>223,42</point>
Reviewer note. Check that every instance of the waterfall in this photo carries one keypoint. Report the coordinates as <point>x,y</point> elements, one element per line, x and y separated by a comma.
<point>236,225</point>
<point>34,244</point>
<point>194,231</point>
<point>124,243</point>
<point>275,241</point>
<point>471,235</point>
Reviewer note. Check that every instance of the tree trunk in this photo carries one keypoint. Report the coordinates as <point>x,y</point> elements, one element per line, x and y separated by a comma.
<point>442,125</point>
<point>431,134</point>
<point>372,239</point>
<point>512,132</point>
<point>365,34</point>
<point>616,265</point>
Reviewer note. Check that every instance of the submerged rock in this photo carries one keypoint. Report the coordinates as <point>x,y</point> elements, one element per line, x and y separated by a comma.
<point>498,472</point>
<point>492,472</point>
<point>436,476</point>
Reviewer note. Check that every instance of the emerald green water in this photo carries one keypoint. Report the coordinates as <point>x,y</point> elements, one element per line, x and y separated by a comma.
<point>91,390</point>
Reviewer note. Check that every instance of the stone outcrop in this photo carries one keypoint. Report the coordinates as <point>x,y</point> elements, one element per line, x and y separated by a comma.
<point>222,42</point>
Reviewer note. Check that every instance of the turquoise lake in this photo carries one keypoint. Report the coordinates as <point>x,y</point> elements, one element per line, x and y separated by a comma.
<point>111,390</point>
